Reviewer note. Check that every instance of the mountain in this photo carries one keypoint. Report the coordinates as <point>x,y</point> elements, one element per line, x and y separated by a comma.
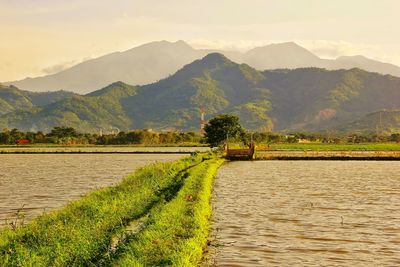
<point>99,110</point>
<point>214,82</point>
<point>382,121</point>
<point>154,61</point>
<point>140,65</point>
<point>13,99</point>
<point>276,56</point>
<point>348,62</point>
<point>313,99</point>
<point>305,99</point>
<point>290,56</point>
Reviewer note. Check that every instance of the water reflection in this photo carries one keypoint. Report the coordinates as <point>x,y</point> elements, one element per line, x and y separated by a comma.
<point>307,213</point>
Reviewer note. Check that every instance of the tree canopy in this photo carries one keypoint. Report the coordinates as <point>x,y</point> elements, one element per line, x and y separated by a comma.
<point>221,127</point>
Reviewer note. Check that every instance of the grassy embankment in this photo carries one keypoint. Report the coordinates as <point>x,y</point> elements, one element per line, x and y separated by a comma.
<point>336,147</point>
<point>175,194</point>
<point>177,233</point>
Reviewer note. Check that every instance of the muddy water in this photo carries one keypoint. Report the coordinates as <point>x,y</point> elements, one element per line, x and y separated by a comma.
<point>307,213</point>
<point>46,182</point>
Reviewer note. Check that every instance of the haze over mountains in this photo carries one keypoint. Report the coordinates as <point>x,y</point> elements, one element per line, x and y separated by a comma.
<point>310,99</point>
<point>154,61</point>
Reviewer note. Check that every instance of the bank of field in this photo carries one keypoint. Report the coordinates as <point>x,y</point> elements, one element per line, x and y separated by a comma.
<point>334,147</point>
<point>173,197</point>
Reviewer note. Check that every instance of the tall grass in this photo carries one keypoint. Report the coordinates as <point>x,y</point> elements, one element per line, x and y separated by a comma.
<point>81,233</point>
<point>177,233</point>
<point>338,147</point>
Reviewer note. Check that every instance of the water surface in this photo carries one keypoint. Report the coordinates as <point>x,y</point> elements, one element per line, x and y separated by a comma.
<point>44,182</point>
<point>307,213</point>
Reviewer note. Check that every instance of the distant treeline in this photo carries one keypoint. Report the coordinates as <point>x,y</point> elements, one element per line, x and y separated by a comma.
<point>70,136</point>
<point>335,138</point>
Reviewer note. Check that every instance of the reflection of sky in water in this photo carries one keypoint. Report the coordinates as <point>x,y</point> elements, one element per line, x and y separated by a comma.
<point>42,182</point>
<point>307,213</point>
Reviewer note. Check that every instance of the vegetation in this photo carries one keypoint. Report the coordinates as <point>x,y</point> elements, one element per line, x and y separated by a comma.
<point>222,127</point>
<point>69,136</point>
<point>176,234</point>
<point>322,138</point>
<point>81,233</point>
<point>216,132</point>
<point>13,99</point>
<point>383,122</point>
<point>307,99</point>
<point>338,147</point>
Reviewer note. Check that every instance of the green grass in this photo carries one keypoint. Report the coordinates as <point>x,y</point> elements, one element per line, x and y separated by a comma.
<point>177,233</point>
<point>80,234</point>
<point>338,147</point>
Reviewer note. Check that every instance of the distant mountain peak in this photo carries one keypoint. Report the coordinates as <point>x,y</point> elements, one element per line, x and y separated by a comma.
<point>211,60</point>
<point>287,44</point>
<point>157,60</point>
<point>215,57</point>
<point>282,55</point>
<point>181,42</point>
<point>118,83</point>
<point>163,44</point>
<point>113,88</point>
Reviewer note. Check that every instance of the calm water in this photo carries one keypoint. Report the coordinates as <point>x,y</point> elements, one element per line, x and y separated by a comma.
<point>45,182</point>
<point>307,213</point>
<point>103,149</point>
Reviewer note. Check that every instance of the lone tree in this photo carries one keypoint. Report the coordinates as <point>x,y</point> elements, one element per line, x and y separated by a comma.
<point>218,128</point>
<point>63,131</point>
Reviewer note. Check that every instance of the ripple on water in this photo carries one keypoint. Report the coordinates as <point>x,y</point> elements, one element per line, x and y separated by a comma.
<point>307,213</point>
<point>42,182</point>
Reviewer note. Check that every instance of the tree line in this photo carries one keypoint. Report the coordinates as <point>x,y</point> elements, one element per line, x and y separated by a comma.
<point>225,127</point>
<point>217,131</point>
<point>69,136</point>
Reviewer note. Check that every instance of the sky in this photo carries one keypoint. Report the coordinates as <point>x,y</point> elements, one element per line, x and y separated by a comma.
<point>40,37</point>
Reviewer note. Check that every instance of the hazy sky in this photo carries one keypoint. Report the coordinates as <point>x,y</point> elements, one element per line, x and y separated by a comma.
<point>44,36</point>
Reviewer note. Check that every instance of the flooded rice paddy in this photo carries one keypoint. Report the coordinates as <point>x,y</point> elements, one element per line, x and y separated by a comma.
<point>307,213</point>
<point>100,149</point>
<point>43,182</point>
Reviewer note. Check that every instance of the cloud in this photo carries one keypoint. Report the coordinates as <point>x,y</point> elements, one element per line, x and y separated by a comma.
<point>59,67</point>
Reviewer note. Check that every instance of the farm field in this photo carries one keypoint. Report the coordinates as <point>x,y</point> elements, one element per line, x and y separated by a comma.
<point>171,198</point>
<point>334,147</point>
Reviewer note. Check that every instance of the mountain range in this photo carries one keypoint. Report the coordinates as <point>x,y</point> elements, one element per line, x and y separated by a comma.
<point>151,62</point>
<point>303,99</point>
<point>383,121</point>
<point>14,99</point>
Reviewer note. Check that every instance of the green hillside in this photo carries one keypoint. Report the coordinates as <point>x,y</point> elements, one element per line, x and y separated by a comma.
<point>14,99</point>
<point>99,110</point>
<point>380,122</point>
<point>215,83</point>
<point>313,99</point>
<point>308,99</point>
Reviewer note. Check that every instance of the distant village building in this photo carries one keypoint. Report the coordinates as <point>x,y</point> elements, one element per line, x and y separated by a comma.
<point>22,141</point>
<point>304,141</point>
<point>111,131</point>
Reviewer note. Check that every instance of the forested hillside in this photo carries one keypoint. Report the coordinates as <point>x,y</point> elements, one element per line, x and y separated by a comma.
<point>306,99</point>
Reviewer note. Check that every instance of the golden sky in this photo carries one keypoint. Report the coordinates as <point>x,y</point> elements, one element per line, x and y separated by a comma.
<point>44,36</point>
